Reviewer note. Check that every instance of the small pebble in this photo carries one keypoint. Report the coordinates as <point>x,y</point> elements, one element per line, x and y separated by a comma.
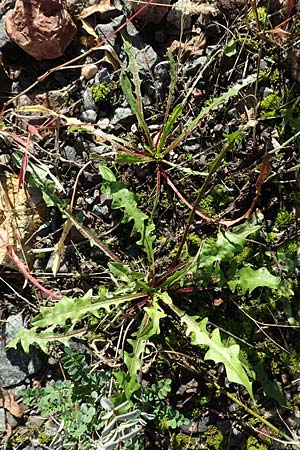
<point>89,71</point>
<point>88,101</point>
<point>89,116</point>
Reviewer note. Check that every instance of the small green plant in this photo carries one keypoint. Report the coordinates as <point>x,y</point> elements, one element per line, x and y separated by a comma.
<point>81,406</point>
<point>214,438</point>
<point>100,91</point>
<point>253,444</point>
<point>270,106</point>
<point>154,401</point>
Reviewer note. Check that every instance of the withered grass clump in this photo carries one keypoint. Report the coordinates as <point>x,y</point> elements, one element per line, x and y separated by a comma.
<point>20,216</point>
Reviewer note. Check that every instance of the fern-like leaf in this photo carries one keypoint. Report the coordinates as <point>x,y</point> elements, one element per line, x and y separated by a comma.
<point>236,370</point>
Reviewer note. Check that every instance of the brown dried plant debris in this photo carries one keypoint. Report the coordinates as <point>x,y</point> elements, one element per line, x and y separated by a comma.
<point>21,213</point>
<point>8,402</point>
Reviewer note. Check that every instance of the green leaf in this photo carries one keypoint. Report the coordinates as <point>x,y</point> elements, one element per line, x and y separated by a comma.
<point>236,370</point>
<point>230,48</point>
<point>169,126</point>
<point>271,388</point>
<point>127,158</point>
<point>228,244</point>
<point>249,279</point>
<point>26,338</point>
<point>124,199</point>
<point>106,173</point>
<point>74,309</point>
<point>149,326</point>
<point>134,100</point>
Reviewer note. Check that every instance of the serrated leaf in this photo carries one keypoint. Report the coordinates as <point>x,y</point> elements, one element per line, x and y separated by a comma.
<point>147,240</point>
<point>134,100</point>
<point>126,200</point>
<point>150,326</point>
<point>226,246</point>
<point>271,388</point>
<point>74,309</point>
<point>229,356</point>
<point>249,279</point>
<point>26,338</point>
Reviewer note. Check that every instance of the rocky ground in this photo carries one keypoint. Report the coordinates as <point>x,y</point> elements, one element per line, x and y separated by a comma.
<point>78,119</point>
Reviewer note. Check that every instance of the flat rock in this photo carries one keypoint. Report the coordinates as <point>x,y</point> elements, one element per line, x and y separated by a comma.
<point>180,15</point>
<point>15,365</point>
<point>43,29</point>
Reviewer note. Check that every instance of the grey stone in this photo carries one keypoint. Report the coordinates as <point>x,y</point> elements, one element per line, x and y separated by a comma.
<point>106,29</point>
<point>122,116</point>
<point>267,91</point>
<point>162,70</point>
<point>100,149</point>
<point>160,36</point>
<point>69,153</point>
<point>101,211</point>
<point>103,76</point>
<point>146,57</point>
<point>196,426</point>
<point>197,64</point>
<point>2,420</point>
<point>11,420</point>
<point>151,90</point>
<point>218,127</point>
<point>180,15</point>
<point>89,115</point>
<point>233,113</point>
<point>88,101</point>
<point>15,365</point>
<point>210,49</point>
<point>153,13</point>
<point>263,64</point>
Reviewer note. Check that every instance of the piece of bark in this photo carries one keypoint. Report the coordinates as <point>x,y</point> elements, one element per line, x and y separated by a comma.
<point>43,28</point>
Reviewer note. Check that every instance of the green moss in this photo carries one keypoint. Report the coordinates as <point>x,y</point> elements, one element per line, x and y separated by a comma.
<point>182,441</point>
<point>293,197</point>
<point>207,204</point>
<point>288,249</point>
<point>214,438</point>
<point>291,362</point>
<point>270,237</point>
<point>194,242</point>
<point>270,106</point>
<point>163,424</point>
<point>283,219</point>
<point>17,440</point>
<point>100,91</point>
<point>44,438</point>
<point>243,255</point>
<point>261,12</point>
<point>253,444</point>
<point>275,77</point>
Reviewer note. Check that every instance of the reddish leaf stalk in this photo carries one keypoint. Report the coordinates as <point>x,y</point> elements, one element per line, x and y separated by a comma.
<point>22,268</point>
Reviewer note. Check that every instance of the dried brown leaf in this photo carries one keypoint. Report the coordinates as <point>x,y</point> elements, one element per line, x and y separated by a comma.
<point>101,7</point>
<point>8,402</point>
